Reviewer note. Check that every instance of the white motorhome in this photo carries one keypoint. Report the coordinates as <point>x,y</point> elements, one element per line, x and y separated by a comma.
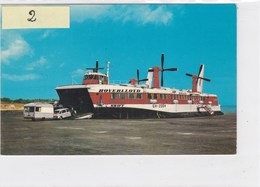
<point>41,111</point>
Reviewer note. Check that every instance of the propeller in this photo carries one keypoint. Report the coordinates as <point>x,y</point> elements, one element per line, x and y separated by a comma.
<point>197,77</point>
<point>196,80</point>
<point>138,78</point>
<point>96,68</point>
<point>165,69</point>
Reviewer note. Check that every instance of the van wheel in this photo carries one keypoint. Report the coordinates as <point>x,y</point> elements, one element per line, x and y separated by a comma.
<point>43,119</point>
<point>33,119</point>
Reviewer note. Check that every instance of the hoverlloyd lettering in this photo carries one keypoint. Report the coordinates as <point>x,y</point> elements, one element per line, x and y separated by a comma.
<point>120,90</point>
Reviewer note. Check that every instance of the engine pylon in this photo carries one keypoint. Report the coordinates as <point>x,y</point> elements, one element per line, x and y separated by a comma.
<point>156,71</point>
<point>197,80</point>
<point>134,81</point>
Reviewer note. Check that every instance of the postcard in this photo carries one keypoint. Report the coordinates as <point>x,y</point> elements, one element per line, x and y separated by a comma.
<point>119,79</point>
<point>135,94</point>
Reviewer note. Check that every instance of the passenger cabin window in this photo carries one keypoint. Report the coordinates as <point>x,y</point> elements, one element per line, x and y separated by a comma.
<point>114,96</point>
<point>139,96</point>
<point>155,96</point>
<point>149,96</point>
<point>162,96</point>
<point>122,96</point>
<point>131,96</point>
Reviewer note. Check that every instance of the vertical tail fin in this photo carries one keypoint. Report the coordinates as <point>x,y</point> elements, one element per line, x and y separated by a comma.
<point>150,78</point>
<point>200,81</point>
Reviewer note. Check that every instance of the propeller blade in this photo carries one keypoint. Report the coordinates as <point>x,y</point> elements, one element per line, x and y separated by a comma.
<point>137,71</point>
<point>162,66</point>
<point>189,74</point>
<point>162,78</point>
<point>170,69</point>
<point>200,69</point>
<point>206,79</point>
<point>162,61</point>
<point>96,65</point>
<point>142,80</point>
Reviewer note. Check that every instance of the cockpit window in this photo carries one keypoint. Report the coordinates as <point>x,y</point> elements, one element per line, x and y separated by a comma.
<point>95,77</point>
<point>90,77</point>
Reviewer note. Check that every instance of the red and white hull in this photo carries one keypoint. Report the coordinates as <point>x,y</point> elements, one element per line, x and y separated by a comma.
<point>134,101</point>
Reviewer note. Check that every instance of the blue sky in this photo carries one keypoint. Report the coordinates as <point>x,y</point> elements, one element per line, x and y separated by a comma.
<point>35,61</point>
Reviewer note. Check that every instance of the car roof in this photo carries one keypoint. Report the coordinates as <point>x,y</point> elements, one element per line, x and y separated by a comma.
<point>61,109</point>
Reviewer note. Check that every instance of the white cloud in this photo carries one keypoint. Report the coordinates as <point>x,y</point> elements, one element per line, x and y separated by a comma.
<point>144,14</point>
<point>37,64</point>
<point>78,72</point>
<point>140,14</point>
<point>61,65</point>
<point>24,77</point>
<point>47,34</point>
<point>13,48</point>
<point>80,13</point>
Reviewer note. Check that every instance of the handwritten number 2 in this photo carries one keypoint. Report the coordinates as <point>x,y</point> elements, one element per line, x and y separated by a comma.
<point>32,13</point>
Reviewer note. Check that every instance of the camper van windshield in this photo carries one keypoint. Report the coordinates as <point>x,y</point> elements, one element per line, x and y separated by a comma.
<point>31,109</point>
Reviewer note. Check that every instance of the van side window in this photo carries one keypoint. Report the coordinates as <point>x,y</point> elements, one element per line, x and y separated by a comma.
<point>31,109</point>
<point>38,109</point>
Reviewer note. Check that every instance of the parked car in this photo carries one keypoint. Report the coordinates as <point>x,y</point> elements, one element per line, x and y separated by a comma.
<point>62,113</point>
